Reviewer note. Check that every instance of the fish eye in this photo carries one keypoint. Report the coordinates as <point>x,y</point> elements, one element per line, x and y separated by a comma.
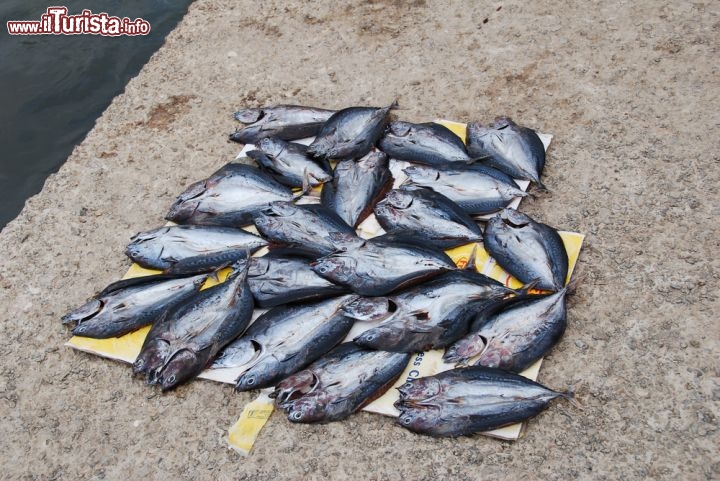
<point>406,419</point>
<point>296,415</point>
<point>140,363</point>
<point>250,381</point>
<point>171,379</point>
<point>407,385</point>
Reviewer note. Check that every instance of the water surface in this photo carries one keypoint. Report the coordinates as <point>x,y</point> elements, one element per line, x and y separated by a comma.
<point>54,87</point>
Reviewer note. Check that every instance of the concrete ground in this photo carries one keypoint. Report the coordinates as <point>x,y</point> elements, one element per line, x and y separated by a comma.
<point>630,90</point>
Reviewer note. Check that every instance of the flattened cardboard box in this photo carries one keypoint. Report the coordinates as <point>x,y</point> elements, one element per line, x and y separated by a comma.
<point>244,432</point>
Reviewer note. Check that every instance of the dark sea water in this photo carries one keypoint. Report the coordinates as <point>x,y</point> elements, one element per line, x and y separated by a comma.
<point>54,87</point>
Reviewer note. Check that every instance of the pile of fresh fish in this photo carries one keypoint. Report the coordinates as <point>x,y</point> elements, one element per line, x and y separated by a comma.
<point>299,259</point>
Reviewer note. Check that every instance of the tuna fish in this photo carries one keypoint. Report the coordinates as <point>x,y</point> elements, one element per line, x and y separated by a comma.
<point>515,336</point>
<point>429,143</point>
<point>287,122</point>
<point>130,304</point>
<point>465,401</point>
<point>350,132</point>
<point>184,249</point>
<point>284,340</point>
<point>306,229</point>
<point>338,384</point>
<point>276,280</point>
<point>515,150</point>
<point>477,189</point>
<point>527,249</point>
<point>231,197</point>
<point>378,266</point>
<point>356,186</point>
<point>428,215</point>
<point>181,344</point>
<point>290,164</point>
<point>429,316</point>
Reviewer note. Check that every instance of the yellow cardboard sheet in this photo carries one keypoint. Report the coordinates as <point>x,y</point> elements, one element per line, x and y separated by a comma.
<point>244,432</point>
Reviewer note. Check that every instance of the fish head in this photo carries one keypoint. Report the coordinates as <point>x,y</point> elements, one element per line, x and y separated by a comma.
<point>501,123</point>
<point>419,390</point>
<point>186,203</point>
<point>151,357</point>
<point>383,338</point>
<point>271,146</point>
<point>344,242</point>
<point>252,378</point>
<point>477,130</point>
<point>87,311</point>
<point>399,128</point>
<point>282,208</point>
<point>267,223</point>
<point>370,308</point>
<point>420,420</point>
<point>336,267</point>
<point>183,366</point>
<point>295,386</point>
<point>308,409</point>
<point>514,218</point>
<point>249,116</point>
<point>320,147</point>
<point>142,247</point>
<point>399,198</point>
<point>374,159</point>
<point>258,266</point>
<point>464,349</point>
<point>421,174</point>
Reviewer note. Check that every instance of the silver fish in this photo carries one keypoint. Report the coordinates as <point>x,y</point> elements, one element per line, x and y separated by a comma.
<point>428,215</point>
<point>429,316</point>
<point>284,340</point>
<point>187,249</point>
<point>427,143</point>
<point>276,280</point>
<point>338,384</point>
<point>527,249</point>
<point>181,344</point>
<point>523,331</point>
<point>290,164</point>
<point>468,400</point>
<point>515,150</point>
<point>287,122</point>
<point>304,228</point>
<point>381,265</point>
<point>130,304</point>
<point>350,132</point>
<point>231,197</point>
<point>356,186</point>
<point>477,189</point>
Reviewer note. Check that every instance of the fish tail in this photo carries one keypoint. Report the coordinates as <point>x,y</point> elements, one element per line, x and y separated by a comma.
<point>478,159</point>
<point>572,286</point>
<point>394,105</point>
<point>472,260</point>
<point>571,395</point>
<point>525,290</point>
<point>538,184</point>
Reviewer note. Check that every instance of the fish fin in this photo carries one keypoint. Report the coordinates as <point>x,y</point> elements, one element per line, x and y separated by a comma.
<point>133,281</point>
